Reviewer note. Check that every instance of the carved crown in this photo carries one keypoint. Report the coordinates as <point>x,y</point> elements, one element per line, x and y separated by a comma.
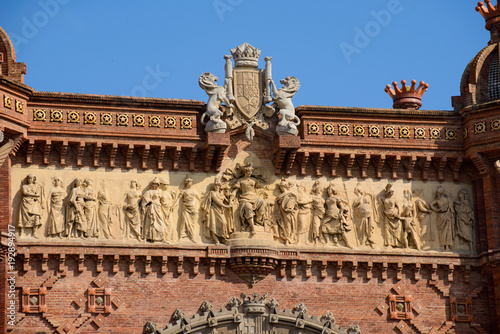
<point>490,13</point>
<point>407,97</point>
<point>246,55</point>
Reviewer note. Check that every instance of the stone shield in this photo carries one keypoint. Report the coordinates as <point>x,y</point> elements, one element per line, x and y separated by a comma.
<point>248,91</point>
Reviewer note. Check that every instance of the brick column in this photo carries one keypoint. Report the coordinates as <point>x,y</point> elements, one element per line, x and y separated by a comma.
<point>5,218</point>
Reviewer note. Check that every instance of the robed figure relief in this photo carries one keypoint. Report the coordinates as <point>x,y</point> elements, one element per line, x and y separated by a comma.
<point>285,208</point>
<point>318,211</point>
<point>132,227</point>
<point>190,199</point>
<point>411,228</point>
<point>153,214</point>
<point>335,223</point>
<point>216,211</point>
<point>393,226</point>
<point>90,208</point>
<point>464,227</point>
<point>423,215</point>
<point>443,205</point>
<point>55,223</point>
<point>365,215</point>
<point>77,220</point>
<point>30,210</point>
<point>304,201</point>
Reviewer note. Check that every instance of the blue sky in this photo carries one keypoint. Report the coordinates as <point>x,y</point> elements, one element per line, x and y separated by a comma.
<point>343,52</point>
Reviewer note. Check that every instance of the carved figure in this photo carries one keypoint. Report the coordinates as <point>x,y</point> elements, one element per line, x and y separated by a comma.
<point>55,223</point>
<point>443,205</point>
<point>189,214</point>
<point>335,223</point>
<point>167,200</point>
<point>90,208</point>
<point>464,227</point>
<point>216,95</point>
<point>30,210</point>
<point>423,212</point>
<point>133,226</point>
<point>393,227</point>
<point>318,211</point>
<point>283,99</point>
<point>286,212</point>
<point>215,217</point>
<point>252,208</point>
<point>77,221</point>
<point>411,230</point>
<point>104,212</point>
<point>153,214</point>
<point>304,201</point>
<point>365,215</point>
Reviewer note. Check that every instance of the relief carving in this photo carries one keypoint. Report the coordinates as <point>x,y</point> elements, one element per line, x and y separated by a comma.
<point>241,204</point>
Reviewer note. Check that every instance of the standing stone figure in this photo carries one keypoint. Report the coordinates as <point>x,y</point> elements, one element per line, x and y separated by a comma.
<point>189,213</point>
<point>304,201</point>
<point>133,224</point>
<point>215,214</point>
<point>464,227</point>
<point>393,227</point>
<point>104,211</point>
<point>443,205</point>
<point>90,208</point>
<point>77,221</point>
<point>252,209</point>
<point>411,230</point>
<point>167,204</point>
<point>30,210</point>
<point>153,215</point>
<point>285,208</point>
<point>55,223</point>
<point>318,211</point>
<point>335,223</point>
<point>423,215</point>
<point>365,216</point>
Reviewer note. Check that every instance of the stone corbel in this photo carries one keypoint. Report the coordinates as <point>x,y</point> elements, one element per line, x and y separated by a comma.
<point>308,268</point>
<point>290,161</point>
<point>180,262</point>
<point>434,268</point>
<point>384,270</point>
<point>456,168</point>
<point>112,155</point>
<point>410,166</point>
<point>395,165</point>
<point>416,271</point>
<point>128,156</point>
<point>354,269</point>
<point>176,155</point>
<point>399,271</point>
<point>324,265</point>
<point>97,152</point>
<point>26,262</point>
<point>304,159</point>
<point>62,264</point>
<point>196,265</point>
<point>365,161</point>
<point>351,158</point>
<point>318,162</point>
<point>80,150</point>
<point>45,260</point>
<point>161,156</point>
<point>467,273</point>
<point>222,267</point>
<point>147,264</point>
<point>211,266</point>
<point>164,263</point>
<point>116,261</point>
<point>338,270</point>
<point>369,270</point>
<point>100,260</point>
<point>282,268</point>
<point>451,269</point>
<point>64,152</point>
<point>131,264</point>
<point>333,161</point>
<point>440,166</point>
<point>81,262</point>
<point>192,157</point>
<point>293,268</point>
<point>425,167</point>
<point>46,152</point>
<point>380,165</point>
<point>145,156</point>
<point>29,151</point>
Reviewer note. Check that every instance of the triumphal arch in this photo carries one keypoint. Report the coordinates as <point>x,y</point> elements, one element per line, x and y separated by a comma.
<point>245,213</point>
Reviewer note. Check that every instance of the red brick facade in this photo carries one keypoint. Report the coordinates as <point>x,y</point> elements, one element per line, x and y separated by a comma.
<point>106,287</point>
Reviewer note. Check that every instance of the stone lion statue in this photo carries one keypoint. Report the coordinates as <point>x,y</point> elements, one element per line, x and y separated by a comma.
<point>216,95</point>
<point>283,99</point>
